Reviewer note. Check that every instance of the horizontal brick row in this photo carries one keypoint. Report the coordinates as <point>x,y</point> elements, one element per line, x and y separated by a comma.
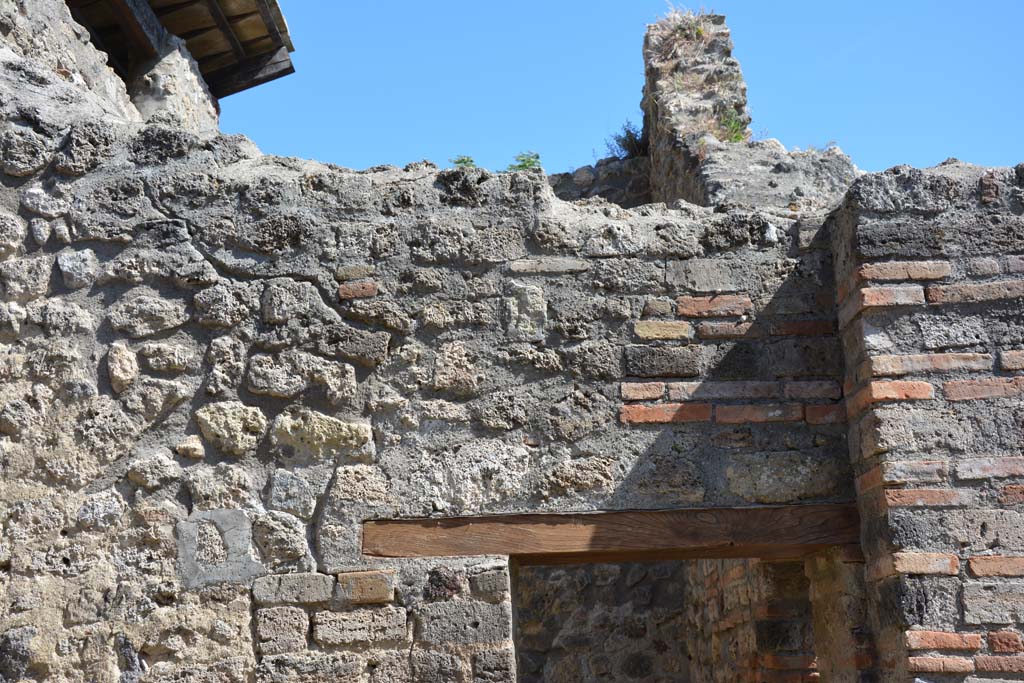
<point>917,472</point>
<point>974,292</point>
<point>990,387</point>
<point>902,473</point>
<point>960,665</point>
<point>667,413</point>
<point>879,297</point>
<point>942,640</point>
<point>860,299</point>
<point>746,390</point>
<point>999,642</point>
<point>777,328</point>
<point>913,563</point>
<point>996,565</point>
<point>894,271</point>
<point>954,390</point>
<point>878,392</point>
<point>717,306</point>
<point>896,365</point>
<point>883,500</point>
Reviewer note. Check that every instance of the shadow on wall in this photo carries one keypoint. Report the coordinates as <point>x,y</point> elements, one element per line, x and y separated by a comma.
<point>739,392</point>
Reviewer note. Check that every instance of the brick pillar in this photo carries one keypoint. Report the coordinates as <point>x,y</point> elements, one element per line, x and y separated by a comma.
<point>931,279</point>
<point>749,622</point>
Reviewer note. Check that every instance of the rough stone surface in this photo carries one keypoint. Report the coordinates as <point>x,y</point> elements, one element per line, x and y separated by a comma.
<point>217,365</point>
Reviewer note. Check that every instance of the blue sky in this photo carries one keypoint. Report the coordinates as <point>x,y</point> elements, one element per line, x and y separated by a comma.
<point>901,81</point>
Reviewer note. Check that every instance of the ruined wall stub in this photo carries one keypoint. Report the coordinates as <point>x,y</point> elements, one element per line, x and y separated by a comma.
<point>218,364</point>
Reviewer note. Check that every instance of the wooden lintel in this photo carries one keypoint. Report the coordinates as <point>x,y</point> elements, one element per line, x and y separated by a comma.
<point>786,532</point>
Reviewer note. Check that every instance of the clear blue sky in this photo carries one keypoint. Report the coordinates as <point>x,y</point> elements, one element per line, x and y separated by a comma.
<point>900,81</point>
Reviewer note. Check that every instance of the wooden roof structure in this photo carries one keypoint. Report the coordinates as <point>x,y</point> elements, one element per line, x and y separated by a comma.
<point>238,44</point>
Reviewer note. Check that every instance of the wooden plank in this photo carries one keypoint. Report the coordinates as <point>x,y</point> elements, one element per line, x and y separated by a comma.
<point>250,73</point>
<point>769,532</point>
<point>225,27</point>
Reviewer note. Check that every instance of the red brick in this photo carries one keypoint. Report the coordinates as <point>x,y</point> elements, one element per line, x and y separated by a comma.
<point>686,391</point>
<point>899,295</point>
<point>720,305</point>
<point>915,563</point>
<point>940,664</point>
<point>887,366</point>
<point>942,640</point>
<point>361,289</point>
<point>902,498</point>
<point>905,270</point>
<point>876,392</point>
<point>725,330</point>
<point>972,293</point>
<point>1011,360</point>
<point>903,472</point>
<point>869,480</point>
<point>811,390</point>
<point>779,412</point>
<point>990,468</point>
<point>997,565</point>
<point>825,415</point>
<point>1012,494</point>
<point>879,297</point>
<point>1005,642</point>
<point>992,387</point>
<point>642,391</point>
<point>663,329</point>
<point>996,663</point>
<point>666,413</point>
<point>803,328</point>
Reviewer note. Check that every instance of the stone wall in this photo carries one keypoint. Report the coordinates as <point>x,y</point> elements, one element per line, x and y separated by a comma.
<point>625,182</point>
<point>218,364</point>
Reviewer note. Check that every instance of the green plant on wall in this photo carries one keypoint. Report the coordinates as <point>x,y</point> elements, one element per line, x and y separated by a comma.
<point>734,128</point>
<point>462,161</point>
<point>525,161</point>
<point>628,143</point>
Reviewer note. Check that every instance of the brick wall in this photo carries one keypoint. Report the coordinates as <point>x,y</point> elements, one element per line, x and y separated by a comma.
<point>931,280</point>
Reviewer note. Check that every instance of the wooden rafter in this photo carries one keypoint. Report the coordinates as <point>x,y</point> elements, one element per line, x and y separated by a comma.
<point>222,22</point>
<point>769,532</point>
<point>270,21</point>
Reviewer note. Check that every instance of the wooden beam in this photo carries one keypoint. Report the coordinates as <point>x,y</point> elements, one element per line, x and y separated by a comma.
<point>771,532</point>
<point>141,24</point>
<point>250,73</point>
<point>218,16</point>
<point>271,23</point>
